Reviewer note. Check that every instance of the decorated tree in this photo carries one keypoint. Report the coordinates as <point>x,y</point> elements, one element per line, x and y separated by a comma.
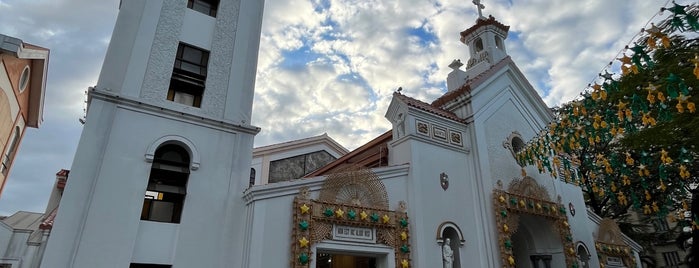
<point>631,140</point>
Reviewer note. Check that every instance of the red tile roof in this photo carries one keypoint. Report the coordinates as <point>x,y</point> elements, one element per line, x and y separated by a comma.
<point>372,154</point>
<point>47,222</point>
<point>427,107</point>
<point>483,22</point>
<point>471,83</point>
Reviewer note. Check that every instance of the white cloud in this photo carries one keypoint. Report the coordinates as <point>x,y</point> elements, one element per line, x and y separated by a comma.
<point>359,52</point>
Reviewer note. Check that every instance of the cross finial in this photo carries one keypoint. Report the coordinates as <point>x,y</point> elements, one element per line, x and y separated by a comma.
<point>480,7</point>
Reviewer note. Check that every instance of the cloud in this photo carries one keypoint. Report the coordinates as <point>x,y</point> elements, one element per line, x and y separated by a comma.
<point>325,66</point>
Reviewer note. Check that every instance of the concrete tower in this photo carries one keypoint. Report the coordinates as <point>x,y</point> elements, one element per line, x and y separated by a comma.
<point>165,152</point>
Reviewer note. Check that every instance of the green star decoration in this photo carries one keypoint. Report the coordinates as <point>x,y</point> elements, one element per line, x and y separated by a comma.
<point>508,244</point>
<point>329,212</point>
<point>403,222</point>
<point>303,258</point>
<point>351,214</point>
<point>405,248</point>
<point>562,210</point>
<point>513,201</point>
<point>503,213</point>
<point>374,217</point>
<point>303,225</point>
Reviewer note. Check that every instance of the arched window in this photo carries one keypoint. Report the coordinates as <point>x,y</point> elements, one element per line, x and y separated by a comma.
<point>517,144</point>
<point>498,43</point>
<point>11,150</point>
<point>167,185</point>
<point>583,256</point>
<point>252,176</point>
<point>478,44</point>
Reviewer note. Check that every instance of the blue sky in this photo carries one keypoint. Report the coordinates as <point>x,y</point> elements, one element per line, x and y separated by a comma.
<point>325,66</point>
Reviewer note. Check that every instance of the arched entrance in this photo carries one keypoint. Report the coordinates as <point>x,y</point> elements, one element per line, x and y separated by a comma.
<point>536,244</point>
<point>533,231</point>
<point>350,225</point>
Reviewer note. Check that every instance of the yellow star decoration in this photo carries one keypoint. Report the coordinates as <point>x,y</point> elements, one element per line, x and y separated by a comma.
<point>363,215</point>
<point>339,213</point>
<point>505,228</point>
<point>565,223</point>
<point>304,208</point>
<point>386,218</point>
<point>684,174</point>
<point>501,199</point>
<point>303,242</point>
<point>403,236</point>
<point>405,263</point>
<point>511,260</point>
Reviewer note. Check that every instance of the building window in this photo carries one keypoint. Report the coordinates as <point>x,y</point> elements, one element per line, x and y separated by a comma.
<point>146,265</point>
<point>661,225</point>
<point>11,151</point>
<point>5,265</point>
<point>583,256</point>
<point>167,185</point>
<point>252,176</point>
<point>672,259</point>
<point>478,44</point>
<point>499,44</point>
<point>24,79</point>
<point>297,166</point>
<point>188,75</point>
<point>207,7</point>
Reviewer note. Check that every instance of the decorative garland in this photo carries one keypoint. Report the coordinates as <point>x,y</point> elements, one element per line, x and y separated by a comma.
<point>605,250</point>
<point>584,124</point>
<point>313,222</point>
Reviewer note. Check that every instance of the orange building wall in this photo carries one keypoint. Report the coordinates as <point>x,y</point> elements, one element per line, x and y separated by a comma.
<point>14,68</point>
<point>8,121</point>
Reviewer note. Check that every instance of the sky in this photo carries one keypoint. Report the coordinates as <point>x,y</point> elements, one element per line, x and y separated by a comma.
<point>325,66</point>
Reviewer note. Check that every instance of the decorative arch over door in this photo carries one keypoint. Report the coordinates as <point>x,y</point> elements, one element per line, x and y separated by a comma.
<point>352,206</point>
<point>610,244</point>
<point>525,196</point>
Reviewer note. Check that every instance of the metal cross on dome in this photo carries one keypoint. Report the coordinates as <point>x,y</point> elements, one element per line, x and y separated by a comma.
<point>480,7</point>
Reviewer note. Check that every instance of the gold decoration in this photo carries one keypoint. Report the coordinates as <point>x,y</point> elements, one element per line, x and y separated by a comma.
<point>339,213</point>
<point>363,215</point>
<point>525,196</point>
<point>386,218</point>
<point>359,187</point>
<point>304,209</point>
<point>609,232</point>
<point>304,242</point>
<point>343,195</point>
<point>527,186</point>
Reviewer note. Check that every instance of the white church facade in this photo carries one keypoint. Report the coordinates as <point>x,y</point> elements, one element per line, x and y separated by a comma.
<point>162,176</point>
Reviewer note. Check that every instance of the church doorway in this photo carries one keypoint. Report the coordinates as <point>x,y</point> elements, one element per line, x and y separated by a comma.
<point>533,230</point>
<point>332,260</point>
<point>536,244</point>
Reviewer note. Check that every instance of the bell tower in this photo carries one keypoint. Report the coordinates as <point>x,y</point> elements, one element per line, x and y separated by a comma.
<point>486,42</point>
<point>165,152</point>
